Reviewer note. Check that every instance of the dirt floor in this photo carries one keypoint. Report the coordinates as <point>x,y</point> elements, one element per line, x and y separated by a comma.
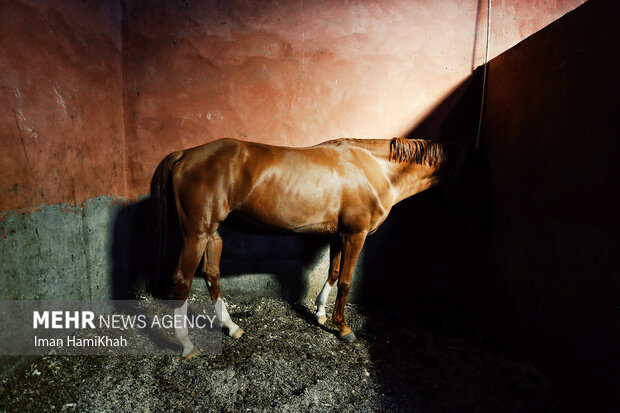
<point>286,363</point>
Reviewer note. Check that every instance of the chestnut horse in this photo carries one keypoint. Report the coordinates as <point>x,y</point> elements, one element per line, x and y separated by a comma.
<point>344,188</point>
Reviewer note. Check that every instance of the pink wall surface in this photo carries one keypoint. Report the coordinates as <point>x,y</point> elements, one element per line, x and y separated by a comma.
<point>61,114</point>
<point>96,94</point>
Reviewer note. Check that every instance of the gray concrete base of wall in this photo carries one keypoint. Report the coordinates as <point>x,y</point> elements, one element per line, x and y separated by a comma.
<point>83,252</point>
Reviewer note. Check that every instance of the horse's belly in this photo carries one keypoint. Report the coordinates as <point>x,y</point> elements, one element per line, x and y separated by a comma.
<point>293,213</point>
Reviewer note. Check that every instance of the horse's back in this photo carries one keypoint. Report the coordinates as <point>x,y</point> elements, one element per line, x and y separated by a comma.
<point>300,189</point>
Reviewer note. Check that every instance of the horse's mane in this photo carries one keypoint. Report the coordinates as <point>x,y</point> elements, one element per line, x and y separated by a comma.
<point>401,150</point>
<point>416,150</point>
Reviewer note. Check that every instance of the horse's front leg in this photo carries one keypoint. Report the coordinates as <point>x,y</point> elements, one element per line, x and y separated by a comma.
<point>351,247</point>
<point>211,274</point>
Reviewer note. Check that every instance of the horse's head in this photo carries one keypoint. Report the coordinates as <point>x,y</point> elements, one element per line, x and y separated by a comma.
<point>428,163</point>
<point>456,160</point>
<point>466,179</point>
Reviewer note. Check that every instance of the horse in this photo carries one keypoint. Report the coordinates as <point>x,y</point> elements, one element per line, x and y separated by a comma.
<point>343,188</point>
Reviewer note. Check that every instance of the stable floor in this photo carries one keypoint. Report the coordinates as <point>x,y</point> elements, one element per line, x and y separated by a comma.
<point>414,362</point>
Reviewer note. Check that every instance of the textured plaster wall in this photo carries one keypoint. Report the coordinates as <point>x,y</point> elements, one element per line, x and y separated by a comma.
<point>95,93</point>
<point>61,110</point>
<point>298,73</point>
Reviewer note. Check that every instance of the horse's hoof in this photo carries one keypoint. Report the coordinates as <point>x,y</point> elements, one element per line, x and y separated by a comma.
<point>349,338</point>
<point>238,333</point>
<point>321,320</point>
<point>194,353</point>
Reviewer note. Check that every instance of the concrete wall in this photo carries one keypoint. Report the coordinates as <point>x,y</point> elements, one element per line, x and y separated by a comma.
<point>552,139</point>
<point>58,251</point>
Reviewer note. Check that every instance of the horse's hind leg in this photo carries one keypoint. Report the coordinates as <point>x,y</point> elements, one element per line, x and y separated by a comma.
<point>193,249</point>
<point>211,274</point>
<point>335,251</point>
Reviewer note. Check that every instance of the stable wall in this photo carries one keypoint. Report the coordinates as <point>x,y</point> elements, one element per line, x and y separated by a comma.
<point>553,144</point>
<point>61,111</point>
<point>96,93</point>
<point>298,73</point>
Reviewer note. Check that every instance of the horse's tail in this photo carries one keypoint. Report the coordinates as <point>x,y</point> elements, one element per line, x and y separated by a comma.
<point>163,207</point>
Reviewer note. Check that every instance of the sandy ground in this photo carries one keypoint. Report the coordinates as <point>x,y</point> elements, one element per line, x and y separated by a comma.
<point>286,363</point>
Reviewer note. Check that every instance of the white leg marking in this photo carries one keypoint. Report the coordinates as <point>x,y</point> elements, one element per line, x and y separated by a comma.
<point>182,333</point>
<point>224,317</point>
<point>321,300</point>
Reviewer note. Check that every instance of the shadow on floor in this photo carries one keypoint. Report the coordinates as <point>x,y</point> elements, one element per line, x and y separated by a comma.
<point>430,265</point>
<point>435,341</point>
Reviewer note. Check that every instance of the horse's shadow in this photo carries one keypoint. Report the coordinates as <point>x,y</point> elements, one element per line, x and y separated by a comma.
<point>132,255</point>
<point>273,263</point>
<point>255,261</point>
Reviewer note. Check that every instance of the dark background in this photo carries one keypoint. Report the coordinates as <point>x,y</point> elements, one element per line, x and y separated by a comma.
<point>530,249</point>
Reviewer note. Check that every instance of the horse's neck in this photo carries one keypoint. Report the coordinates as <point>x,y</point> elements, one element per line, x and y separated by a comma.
<point>410,179</point>
<point>378,148</point>
<point>406,178</point>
